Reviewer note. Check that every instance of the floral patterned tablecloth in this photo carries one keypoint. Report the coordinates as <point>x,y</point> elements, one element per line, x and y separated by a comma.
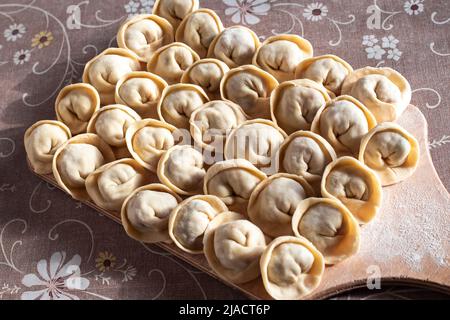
<point>55,248</point>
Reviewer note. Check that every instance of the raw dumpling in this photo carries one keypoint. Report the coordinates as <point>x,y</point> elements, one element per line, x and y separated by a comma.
<point>343,122</point>
<point>232,246</point>
<point>181,169</point>
<point>41,141</point>
<point>145,213</point>
<point>206,73</point>
<point>212,122</point>
<point>391,151</point>
<point>198,30</point>
<point>233,181</point>
<point>111,123</point>
<point>328,70</point>
<point>280,55</point>
<point>272,204</point>
<point>177,103</point>
<point>147,140</point>
<point>291,268</point>
<point>174,10</point>
<point>256,141</point>
<point>105,70</point>
<point>384,91</point>
<point>144,34</point>
<point>189,220</point>
<point>305,154</point>
<point>109,185</point>
<point>76,159</point>
<point>329,226</point>
<point>171,61</point>
<point>355,185</point>
<point>294,104</point>
<point>235,46</point>
<point>141,92</point>
<point>249,87</point>
<point>75,106</point>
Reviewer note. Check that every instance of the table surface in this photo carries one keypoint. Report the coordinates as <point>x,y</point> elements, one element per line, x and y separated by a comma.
<point>42,48</point>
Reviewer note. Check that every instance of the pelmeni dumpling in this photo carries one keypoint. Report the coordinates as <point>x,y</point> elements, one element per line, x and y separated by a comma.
<point>145,213</point>
<point>111,123</point>
<point>280,55</point>
<point>177,103</point>
<point>212,122</point>
<point>147,140</point>
<point>181,169</point>
<point>189,220</point>
<point>109,185</point>
<point>141,92</point>
<point>171,61</point>
<point>256,141</point>
<point>106,69</point>
<point>76,159</point>
<point>232,246</point>
<point>75,106</point>
<point>144,34</point>
<point>233,181</point>
<point>41,141</point>
<point>355,185</point>
<point>249,87</point>
<point>198,30</point>
<point>330,227</point>
<point>305,154</point>
<point>327,70</point>
<point>384,91</point>
<point>273,202</point>
<point>343,122</point>
<point>235,46</point>
<point>174,11</point>
<point>391,151</point>
<point>291,268</point>
<point>294,104</point>
<point>206,73</point>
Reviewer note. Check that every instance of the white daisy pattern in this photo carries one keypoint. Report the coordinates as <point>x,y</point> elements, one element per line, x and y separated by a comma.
<point>132,8</point>
<point>369,40</point>
<point>246,11</point>
<point>315,11</point>
<point>21,56</point>
<point>146,6</point>
<point>394,54</point>
<point>55,279</point>
<point>389,42</point>
<point>414,7</point>
<point>375,52</point>
<point>14,32</point>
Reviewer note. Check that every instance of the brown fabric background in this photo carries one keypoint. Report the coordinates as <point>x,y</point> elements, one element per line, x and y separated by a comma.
<point>40,226</point>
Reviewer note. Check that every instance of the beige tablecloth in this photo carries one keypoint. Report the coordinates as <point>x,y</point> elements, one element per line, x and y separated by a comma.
<point>42,48</point>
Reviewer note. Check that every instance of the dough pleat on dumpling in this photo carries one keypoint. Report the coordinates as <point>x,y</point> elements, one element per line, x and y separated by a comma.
<point>280,55</point>
<point>291,268</point>
<point>144,34</point>
<point>41,141</point>
<point>294,104</point>
<point>189,220</point>
<point>272,203</point>
<point>233,246</point>
<point>330,226</point>
<point>75,105</point>
<point>355,185</point>
<point>145,213</point>
<point>76,159</point>
<point>174,11</point>
<point>141,91</point>
<point>391,151</point>
<point>384,91</point>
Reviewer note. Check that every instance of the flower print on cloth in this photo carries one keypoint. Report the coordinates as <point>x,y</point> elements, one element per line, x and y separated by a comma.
<point>54,279</point>
<point>22,56</point>
<point>105,261</point>
<point>246,11</point>
<point>146,6</point>
<point>369,40</point>
<point>315,11</point>
<point>413,7</point>
<point>375,52</point>
<point>14,32</point>
<point>388,48</point>
<point>42,39</point>
<point>389,42</point>
<point>132,8</point>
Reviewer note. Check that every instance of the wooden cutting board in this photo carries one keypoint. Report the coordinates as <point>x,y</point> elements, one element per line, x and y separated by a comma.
<point>408,242</point>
